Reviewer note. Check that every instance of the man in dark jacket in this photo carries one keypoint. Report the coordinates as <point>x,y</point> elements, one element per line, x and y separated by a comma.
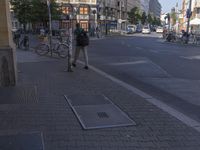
<point>80,46</point>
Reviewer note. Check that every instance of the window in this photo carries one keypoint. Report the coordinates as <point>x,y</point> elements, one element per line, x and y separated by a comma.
<point>83,10</point>
<point>66,10</point>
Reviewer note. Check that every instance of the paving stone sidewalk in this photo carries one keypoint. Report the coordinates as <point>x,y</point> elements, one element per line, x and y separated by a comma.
<point>53,117</point>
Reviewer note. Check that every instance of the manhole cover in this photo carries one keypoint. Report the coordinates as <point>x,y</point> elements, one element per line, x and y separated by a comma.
<point>18,95</point>
<point>102,115</point>
<point>31,141</point>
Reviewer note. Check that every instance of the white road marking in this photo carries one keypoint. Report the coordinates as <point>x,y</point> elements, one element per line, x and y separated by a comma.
<point>139,48</point>
<point>129,63</point>
<point>191,57</point>
<point>180,116</point>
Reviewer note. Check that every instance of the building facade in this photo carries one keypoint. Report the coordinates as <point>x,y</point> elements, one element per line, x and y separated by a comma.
<point>78,11</point>
<point>155,8</point>
<point>132,3</point>
<point>144,6</point>
<point>112,14</point>
<point>196,9</point>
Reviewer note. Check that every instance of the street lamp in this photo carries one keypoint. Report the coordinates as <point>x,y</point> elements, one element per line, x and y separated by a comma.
<point>50,27</point>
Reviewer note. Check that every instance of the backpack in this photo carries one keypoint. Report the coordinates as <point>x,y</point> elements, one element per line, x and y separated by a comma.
<point>82,39</point>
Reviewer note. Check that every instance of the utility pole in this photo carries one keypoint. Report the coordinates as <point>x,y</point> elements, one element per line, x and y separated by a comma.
<point>50,27</point>
<point>188,14</point>
<point>177,16</point>
<point>120,15</point>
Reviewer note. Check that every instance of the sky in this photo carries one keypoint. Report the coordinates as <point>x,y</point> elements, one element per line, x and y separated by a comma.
<point>168,4</point>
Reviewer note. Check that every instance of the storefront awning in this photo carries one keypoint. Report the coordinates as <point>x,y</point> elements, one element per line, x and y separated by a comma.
<point>195,21</point>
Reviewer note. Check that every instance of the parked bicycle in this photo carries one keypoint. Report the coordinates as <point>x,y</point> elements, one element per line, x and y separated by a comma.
<point>185,37</point>
<point>58,47</point>
<point>171,36</point>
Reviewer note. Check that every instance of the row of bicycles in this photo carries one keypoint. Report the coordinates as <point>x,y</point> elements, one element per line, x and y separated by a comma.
<point>172,36</point>
<point>59,44</point>
<point>182,37</point>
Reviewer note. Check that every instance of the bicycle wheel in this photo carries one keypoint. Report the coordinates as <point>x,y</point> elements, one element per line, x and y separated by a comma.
<point>63,50</point>
<point>42,49</point>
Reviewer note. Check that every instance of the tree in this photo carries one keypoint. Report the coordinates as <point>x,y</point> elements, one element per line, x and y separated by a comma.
<point>150,19</point>
<point>144,18</point>
<point>22,10</point>
<point>156,21</point>
<point>134,15</point>
<point>40,11</point>
<point>173,18</point>
<point>34,11</point>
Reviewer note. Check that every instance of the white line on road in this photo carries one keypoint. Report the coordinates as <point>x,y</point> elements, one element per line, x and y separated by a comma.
<point>180,116</point>
<point>139,48</point>
<point>129,63</point>
<point>191,57</point>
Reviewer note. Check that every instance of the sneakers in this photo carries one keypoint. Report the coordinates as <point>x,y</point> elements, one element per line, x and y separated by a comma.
<point>86,67</point>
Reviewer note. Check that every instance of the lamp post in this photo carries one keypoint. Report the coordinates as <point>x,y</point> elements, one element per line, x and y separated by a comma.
<point>50,27</point>
<point>188,21</point>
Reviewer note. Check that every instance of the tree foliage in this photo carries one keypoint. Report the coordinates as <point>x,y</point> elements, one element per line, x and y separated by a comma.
<point>144,18</point>
<point>34,11</point>
<point>150,19</point>
<point>22,9</point>
<point>134,15</point>
<point>156,21</point>
<point>173,18</point>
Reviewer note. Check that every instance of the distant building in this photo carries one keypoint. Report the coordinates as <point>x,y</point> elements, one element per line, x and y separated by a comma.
<point>155,8</point>
<point>132,3</point>
<point>112,14</point>
<point>144,6</point>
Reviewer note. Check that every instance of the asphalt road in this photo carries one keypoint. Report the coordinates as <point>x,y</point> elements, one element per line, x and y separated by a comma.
<point>169,72</point>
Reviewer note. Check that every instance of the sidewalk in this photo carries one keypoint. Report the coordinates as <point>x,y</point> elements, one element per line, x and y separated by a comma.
<point>52,116</point>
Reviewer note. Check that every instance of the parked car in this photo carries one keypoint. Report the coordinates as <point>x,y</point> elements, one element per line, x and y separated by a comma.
<point>159,30</point>
<point>146,30</point>
<point>131,29</point>
<point>139,28</point>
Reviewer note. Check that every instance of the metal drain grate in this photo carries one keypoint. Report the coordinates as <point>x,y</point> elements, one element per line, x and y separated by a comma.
<point>97,111</point>
<point>102,115</point>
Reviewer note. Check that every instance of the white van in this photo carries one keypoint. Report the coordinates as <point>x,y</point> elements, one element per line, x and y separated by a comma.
<point>131,29</point>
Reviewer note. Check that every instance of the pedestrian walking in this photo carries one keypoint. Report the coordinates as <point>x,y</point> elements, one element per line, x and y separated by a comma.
<point>82,41</point>
<point>97,32</point>
<point>16,38</point>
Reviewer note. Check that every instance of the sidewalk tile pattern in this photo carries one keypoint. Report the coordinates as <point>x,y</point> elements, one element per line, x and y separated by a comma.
<point>155,129</point>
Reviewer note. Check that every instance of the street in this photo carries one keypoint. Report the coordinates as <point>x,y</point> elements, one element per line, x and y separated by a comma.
<point>167,71</point>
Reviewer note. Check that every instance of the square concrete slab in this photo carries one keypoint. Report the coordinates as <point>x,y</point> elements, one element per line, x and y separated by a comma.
<point>18,95</point>
<point>30,141</point>
<point>78,100</point>
<point>103,114</point>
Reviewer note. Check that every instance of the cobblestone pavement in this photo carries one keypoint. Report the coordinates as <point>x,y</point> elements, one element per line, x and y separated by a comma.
<point>155,129</point>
